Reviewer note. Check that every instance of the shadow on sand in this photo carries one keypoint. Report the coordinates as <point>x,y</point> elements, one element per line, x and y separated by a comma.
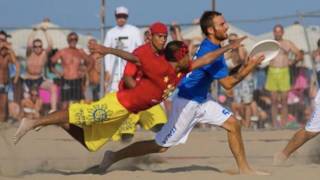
<point>94,170</point>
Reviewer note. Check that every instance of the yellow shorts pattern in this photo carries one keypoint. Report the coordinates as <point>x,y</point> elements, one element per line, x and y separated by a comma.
<point>148,119</point>
<point>278,79</point>
<point>100,120</point>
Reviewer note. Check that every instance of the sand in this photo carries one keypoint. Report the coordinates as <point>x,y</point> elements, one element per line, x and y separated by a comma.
<point>52,154</point>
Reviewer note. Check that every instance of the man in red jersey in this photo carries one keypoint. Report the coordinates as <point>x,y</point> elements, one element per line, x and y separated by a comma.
<point>151,119</point>
<point>94,124</point>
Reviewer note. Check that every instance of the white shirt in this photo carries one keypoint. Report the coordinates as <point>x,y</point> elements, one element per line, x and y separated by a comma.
<point>126,38</point>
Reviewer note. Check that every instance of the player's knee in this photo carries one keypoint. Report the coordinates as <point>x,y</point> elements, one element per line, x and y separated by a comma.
<point>232,124</point>
<point>163,149</point>
<point>309,135</point>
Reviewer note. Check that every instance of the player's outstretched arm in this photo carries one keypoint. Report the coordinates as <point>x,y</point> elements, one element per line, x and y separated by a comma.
<point>212,56</point>
<point>230,81</point>
<point>102,50</point>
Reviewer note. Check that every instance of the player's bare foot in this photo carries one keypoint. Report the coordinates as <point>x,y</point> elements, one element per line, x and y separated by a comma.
<point>25,126</point>
<point>279,159</point>
<point>107,161</point>
<point>254,172</point>
<point>247,172</point>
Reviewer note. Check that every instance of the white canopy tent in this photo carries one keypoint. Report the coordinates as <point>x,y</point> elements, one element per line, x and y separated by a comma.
<point>20,37</point>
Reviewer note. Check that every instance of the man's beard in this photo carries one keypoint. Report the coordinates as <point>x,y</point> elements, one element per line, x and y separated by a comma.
<point>221,38</point>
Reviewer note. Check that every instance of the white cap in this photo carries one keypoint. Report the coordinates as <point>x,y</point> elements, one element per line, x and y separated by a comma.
<point>122,10</point>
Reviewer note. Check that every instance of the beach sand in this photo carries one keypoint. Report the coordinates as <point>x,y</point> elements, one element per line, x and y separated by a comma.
<point>52,154</point>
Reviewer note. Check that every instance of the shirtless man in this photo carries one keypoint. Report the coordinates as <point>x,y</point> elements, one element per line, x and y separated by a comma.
<point>31,105</point>
<point>7,57</point>
<point>278,77</point>
<point>92,92</point>
<point>37,58</point>
<point>71,60</point>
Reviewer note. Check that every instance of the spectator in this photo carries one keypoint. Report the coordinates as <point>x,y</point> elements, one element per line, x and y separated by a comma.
<point>146,36</point>
<point>316,58</point>
<point>243,92</point>
<point>262,105</point>
<point>92,93</point>
<point>298,96</point>
<point>71,76</point>
<point>7,57</point>
<point>37,58</point>
<point>278,76</point>
<point>125,37</point>
<point>31,105</point>
<point>175,32</point>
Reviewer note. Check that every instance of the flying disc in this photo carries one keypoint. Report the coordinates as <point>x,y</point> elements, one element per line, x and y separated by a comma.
<point>270,49</point>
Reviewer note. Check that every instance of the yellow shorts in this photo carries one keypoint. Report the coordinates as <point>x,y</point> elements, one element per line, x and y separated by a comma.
<point>278,79</point>
<point>99,120</point>
<point>148,119</point>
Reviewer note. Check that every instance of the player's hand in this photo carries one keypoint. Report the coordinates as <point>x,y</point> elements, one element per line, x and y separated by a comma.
<point>96,48</point>
<point>237,43</point>
<point>256,59</point>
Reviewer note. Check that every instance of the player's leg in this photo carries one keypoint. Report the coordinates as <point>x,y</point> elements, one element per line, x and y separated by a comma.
<point>174,132</point>
<point>311,130</point>
<point>298,139</point>
<point>58,118</point>
<point>215,114</point>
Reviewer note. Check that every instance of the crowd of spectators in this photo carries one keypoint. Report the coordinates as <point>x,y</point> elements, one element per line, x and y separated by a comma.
<point>278,95</point>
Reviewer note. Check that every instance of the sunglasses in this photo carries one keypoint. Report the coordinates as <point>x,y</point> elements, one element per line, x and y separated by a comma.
<point>124,16</point>
<point>35,46</point>
<point>73,39</point>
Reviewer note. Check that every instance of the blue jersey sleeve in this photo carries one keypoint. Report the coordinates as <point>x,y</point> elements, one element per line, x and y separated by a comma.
<point>218,69</point>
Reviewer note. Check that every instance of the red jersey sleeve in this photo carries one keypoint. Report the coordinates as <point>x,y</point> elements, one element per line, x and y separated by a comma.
<point>130,69</point>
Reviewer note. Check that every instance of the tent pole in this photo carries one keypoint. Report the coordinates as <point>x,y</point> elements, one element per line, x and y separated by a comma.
<point>102,31</point>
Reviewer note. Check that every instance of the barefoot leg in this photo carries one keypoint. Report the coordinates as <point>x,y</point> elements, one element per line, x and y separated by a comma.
<point>29,124</point>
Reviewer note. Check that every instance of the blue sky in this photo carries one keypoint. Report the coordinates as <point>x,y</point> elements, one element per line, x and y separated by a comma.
<point>84,13</point>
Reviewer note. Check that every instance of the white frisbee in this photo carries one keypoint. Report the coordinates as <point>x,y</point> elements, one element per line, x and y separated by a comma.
<point>270,49</point>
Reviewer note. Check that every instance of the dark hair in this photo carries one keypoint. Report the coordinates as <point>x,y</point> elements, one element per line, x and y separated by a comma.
<point>73,34</point>
<point>206,20</point>
<point>2,32</point>
<point>146,32</point>
<point>318,43</point>
<point>171,48</point>
<point>36,40</point>
<point>278,26</point>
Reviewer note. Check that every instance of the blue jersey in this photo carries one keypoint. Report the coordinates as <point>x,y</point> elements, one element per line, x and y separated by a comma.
<point>196,85</point>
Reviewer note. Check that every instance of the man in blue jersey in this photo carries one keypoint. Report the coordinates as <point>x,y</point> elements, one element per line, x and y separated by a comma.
<point>192,104</point>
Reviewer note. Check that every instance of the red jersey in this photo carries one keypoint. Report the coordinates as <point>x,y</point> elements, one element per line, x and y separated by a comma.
<point>130,70</point>
<point>157,83</point>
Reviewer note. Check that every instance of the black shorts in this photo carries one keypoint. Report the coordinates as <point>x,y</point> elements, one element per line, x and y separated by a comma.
<point>71,90</point>
<point>4,88</point>
<point>33,82</point>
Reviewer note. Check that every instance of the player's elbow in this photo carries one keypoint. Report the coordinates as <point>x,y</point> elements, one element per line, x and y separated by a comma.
<point>227,86</point>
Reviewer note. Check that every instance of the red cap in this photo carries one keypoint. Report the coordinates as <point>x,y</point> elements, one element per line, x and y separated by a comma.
<point>158,27</point>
